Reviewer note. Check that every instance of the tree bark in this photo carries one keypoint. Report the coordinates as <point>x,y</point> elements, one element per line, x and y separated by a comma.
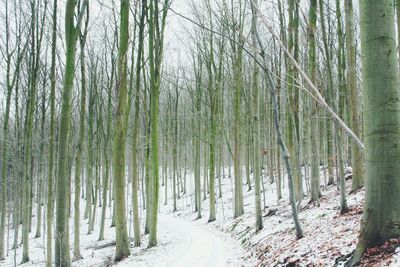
<point>256,126</point>
<point>356,153</point>
<point>122,243</point>
<point>381,217</point>
<point>50,200</point>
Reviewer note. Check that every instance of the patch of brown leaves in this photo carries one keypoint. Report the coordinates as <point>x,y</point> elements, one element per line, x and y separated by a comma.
<point>380,254</point>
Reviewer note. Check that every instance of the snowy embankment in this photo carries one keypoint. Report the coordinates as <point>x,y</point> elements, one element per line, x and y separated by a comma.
<point>328,236</point>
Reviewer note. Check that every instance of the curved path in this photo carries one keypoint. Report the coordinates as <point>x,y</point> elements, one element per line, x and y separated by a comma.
<point>203,249</point>
<point>187,244</point>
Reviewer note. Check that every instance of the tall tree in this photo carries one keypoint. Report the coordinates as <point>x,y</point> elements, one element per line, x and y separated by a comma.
<point>292,117</point>
<point>156,22</point>
<point>71,34</point>
<point>356,153</point>
<point>136,124</point>
<point>122,243</point>
<point>81,144</point>
<point>280,139</point>
<point>197,143</point>
<point>213,94</point>
<point>107,147</point>
<point>36,34</point>
<point>52,98</point>
<point>256,123</point>
<point>237,66</point>
<point>329,94</point>
<point>41,163</point>
<point>314,136</point>
<point>381,217</point>
<point>340,101</point>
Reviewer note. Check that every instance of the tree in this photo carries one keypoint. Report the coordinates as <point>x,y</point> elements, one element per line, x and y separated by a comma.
<point>356,153</point>
<point>156,22</point>
<point>281,141</point>
<point>71,35</point>
<point>329,94</point>
<point>50,200</point>
<point>314,135</point>
<point>107,145</point>
<point>36,34</point>
<point>40,187</point>
<point>11,79</point>
<point>237,65</point>
<point>292,115</point>
<point>174,126</point>
<point>122,244</point>
<point>256,123</point>
<point>381,217</point>
<point>213,95</point>
<point>198,67</point>
<point>81,144</point>
<point>340,107</point>
<point>136,124</point>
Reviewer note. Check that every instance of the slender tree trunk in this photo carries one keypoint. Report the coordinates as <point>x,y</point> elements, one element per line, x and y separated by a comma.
<point>136,122</point>
<point>49,211</point>
<point>41,172</point>
<point>212,145</point>
<point>62,247</point>
<point>174,123</point>
<point>330,98</point>
<point>281,142</point>
<point>356,154</point>
<point>340,100</point>
<point>106,177</point>
<point>238,197</point>
<point>314,133</point>
<point>122,244</point>
<point>28,159</point>
<point>213,95</point>
<point>256,126</point>
<point>62,209</point>
<point>94,156</point>
<point>156,37</point>
<point>81,143</point>
<point>293,105</point>
<point>90,161</point>
<point>147,161</point>
<point>197,140</point>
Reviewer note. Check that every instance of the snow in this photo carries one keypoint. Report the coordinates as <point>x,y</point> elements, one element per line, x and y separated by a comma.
<point>185,241</point>
<point>327,234</point>
<point>180,243</point>
<point>396,258</point>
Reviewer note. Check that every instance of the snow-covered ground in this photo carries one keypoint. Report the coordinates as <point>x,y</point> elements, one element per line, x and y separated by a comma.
<point>181,243</point>
<point>185,241</point>
<point>327,234</point>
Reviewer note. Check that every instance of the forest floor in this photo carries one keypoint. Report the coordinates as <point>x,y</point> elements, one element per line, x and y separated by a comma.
<point>181,243</point>
<point>329,237</point>
<point>185,241</point>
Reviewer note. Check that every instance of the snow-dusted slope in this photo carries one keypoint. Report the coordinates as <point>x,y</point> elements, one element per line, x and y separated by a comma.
<point>181,243</point>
